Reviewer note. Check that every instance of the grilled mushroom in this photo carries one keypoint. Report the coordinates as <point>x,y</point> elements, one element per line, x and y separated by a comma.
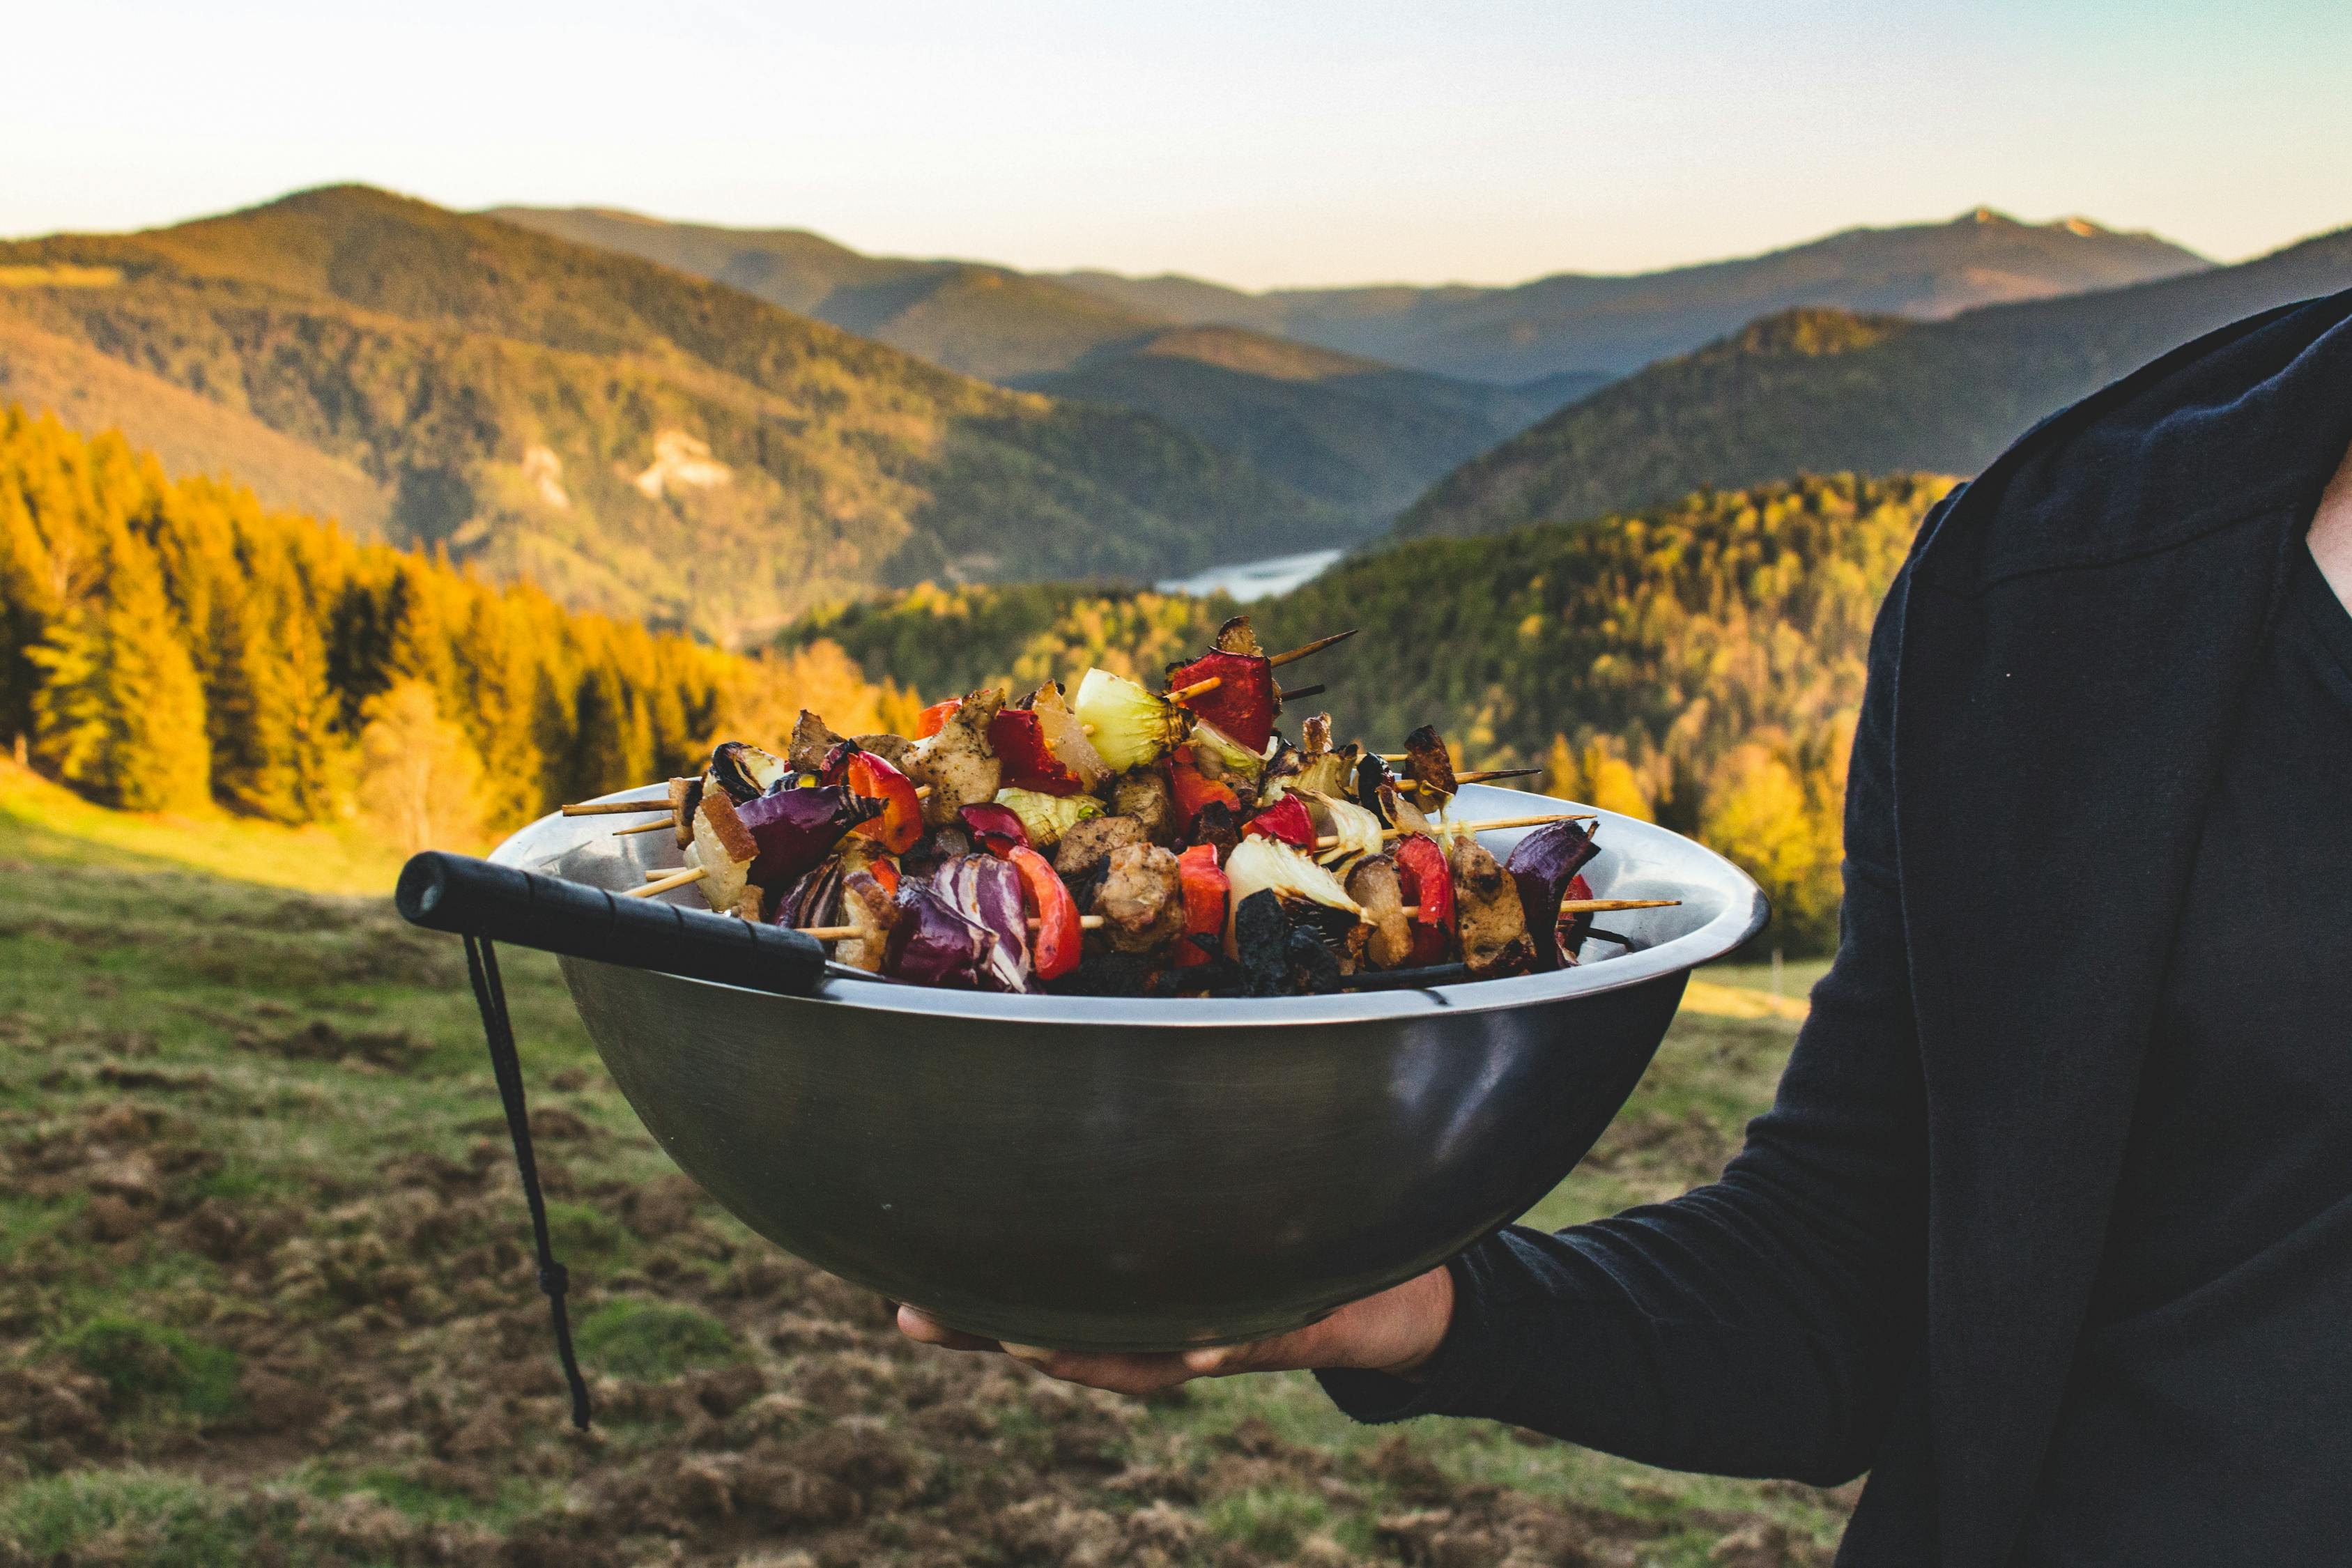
<point>1373,884</point>
<point>1487,911</point>
<point>1428,764</point>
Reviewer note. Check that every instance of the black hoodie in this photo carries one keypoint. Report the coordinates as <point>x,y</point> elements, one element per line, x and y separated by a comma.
<point>1903,1267</point>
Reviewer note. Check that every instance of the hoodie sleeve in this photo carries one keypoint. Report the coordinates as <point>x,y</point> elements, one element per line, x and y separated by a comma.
<point>1761,1325</point>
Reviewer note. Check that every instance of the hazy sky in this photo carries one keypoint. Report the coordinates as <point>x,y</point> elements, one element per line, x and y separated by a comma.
<point>1263,144</point>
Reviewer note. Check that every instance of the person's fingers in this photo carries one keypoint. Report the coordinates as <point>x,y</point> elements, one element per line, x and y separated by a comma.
<point>1132,1374</point>
<point>1396,1331</point>
<point>920,1326</point>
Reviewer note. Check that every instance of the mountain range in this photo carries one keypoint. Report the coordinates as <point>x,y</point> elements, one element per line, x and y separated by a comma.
<point>632,439</point>
<point>1363,436</point>
<point>1816,391</point>
<point>1610,325</point>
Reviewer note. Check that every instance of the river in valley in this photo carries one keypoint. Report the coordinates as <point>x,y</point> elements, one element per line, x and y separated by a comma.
<point>1260,579</point>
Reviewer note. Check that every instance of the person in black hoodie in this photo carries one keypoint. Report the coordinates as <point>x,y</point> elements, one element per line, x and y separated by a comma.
<point>2050,1226</point>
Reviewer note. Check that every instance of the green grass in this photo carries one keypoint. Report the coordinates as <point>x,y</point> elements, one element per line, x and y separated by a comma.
<point>142,1363</point>
<point>343,1219</point>
<point>652,1341</point>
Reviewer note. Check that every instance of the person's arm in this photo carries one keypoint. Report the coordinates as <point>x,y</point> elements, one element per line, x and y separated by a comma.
<point>1756,1326</point>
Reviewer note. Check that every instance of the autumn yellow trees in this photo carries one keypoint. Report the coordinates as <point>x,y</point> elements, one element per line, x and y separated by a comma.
<point>168,646</point>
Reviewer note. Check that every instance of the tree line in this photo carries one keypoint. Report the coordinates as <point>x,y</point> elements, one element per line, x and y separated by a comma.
<point>170,646</point>
<point>1699,665</point>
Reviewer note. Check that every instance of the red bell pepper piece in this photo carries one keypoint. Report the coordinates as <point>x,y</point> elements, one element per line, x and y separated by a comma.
<point>934,719</point>
<point>1053,947</point>
<point>1193,792</point>
<point>1427,884</point>
<point>997,828</point>
<point>1018,738</point>
<point>1205,887</point>
<point>1286,820</point>
<point>901,822</point>
<point>887,873</point>
<point>1242,702</point>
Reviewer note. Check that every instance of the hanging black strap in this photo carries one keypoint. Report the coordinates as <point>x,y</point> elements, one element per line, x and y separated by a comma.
<point>482,965</point>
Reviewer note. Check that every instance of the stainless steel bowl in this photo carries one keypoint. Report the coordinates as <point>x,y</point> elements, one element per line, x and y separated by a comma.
<point>1093,1173</point>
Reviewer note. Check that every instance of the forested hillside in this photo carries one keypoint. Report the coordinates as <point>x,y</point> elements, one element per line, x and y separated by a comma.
<point>1584,321</point>
<point>1823,390</point>
<point>1364,436</point>
<point>171,647</point>
<point>1700,664</point>
<point>630,438</point>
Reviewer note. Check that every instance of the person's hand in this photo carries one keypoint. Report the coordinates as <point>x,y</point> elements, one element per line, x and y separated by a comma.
<point>1395,1331</point>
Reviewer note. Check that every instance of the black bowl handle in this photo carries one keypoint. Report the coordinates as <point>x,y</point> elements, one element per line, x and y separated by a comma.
<point>499,903</point>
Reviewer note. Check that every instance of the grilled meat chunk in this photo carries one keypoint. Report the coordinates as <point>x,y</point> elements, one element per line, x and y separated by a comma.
<point>1141,901</point>
<point>812,739</point>
<point>1489,914</point>
<point>1090,844</point>
<point>958,763</point>
<point>1428,764</point>
<point>1143,793</point>
<point>892,749</point>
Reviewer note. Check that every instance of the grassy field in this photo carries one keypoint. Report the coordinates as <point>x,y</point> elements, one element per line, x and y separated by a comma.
<point>268,1297</point>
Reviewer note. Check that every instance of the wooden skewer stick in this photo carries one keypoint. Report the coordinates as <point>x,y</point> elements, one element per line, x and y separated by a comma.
<point>1592,906</point>
<point>670,879</point>
<point>1331,840</point>
<point>1185,693</point>
<point>1302,691</point>
<point>1317,646</point>
<point>843,933</point>
<point>1479,776</point>
<point>644,827</point>
<point>614,807</point>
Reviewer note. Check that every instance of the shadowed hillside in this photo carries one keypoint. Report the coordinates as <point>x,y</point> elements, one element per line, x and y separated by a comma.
<point>1820,391</point>
<point>632,439</point>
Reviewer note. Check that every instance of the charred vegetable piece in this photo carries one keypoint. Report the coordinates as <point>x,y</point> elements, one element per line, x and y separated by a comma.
<point>987,892</point>
<point>1219,756</point>
<point>1355,831</point>
<point>685,795</point>
<point>1144,795</point>
<point>957,761</point>
<point>1258,864</point>
<point>1066,737</point>
<point>1056,948</point>
<point>1286,820</point>
<point>746,773</point>
<point>1090,844</point>
<point>1204,887</point>
<point>1193,792</point>
<point>1127,726</point>
<point>1217,827</point>
<point>1376,789</point>
<point>1018,736</point>
<point>1488,913</point>
<point>1428,764</point>
<point>1426,883</point>
<point>795,829</point>
<point>1260,943</point>
<point>931,942</point>
<point>1045,817</point>
<point>1235,637</point>
<point>1576,927</point>
<point>900,821</point>
<point>813,899</point>
<point>1543,864</point>
<point>1241,703</point>
<point>868,905</point>
<point>1314,737</point>
<point>931,719</point>
<point>1141,901</point>
<point>1374,884</point>
<point>996,828</point>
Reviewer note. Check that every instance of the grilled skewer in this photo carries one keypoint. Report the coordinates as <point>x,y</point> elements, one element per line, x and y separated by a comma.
<point>1331,840</point>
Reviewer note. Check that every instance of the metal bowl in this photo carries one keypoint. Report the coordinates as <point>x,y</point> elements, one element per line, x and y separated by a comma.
<point>1092,1173</point>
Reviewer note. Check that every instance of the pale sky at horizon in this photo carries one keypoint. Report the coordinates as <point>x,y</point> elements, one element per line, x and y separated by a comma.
<point>1258,145</point>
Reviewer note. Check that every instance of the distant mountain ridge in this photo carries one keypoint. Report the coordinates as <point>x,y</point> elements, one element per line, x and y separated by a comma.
<point>1826,392</point>
<point>1363,436</point>
<point>634,438</point>
<point>1615,324</point>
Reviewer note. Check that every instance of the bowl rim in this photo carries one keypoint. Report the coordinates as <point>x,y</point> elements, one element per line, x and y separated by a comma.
<point>1743,914</point>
